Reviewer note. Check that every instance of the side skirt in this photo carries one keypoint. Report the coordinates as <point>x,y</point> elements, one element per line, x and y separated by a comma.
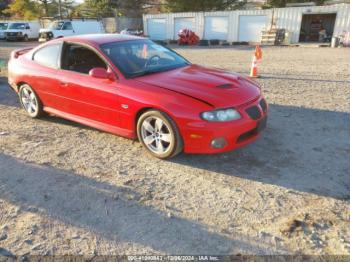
<point>92,123</point>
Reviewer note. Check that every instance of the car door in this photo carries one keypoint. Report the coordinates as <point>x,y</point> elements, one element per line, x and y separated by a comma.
<point>28,31</point>
<point>44,80</point>
<point>91,98</point>
<point>67,29</point>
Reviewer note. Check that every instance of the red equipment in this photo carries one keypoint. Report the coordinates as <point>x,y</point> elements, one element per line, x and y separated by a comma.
<point>187,37</point>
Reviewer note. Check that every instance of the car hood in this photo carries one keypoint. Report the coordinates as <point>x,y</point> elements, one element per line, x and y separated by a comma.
<point>216,87</point>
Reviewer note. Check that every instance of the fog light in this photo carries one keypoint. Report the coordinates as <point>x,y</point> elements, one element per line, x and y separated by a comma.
<point>218,143</point>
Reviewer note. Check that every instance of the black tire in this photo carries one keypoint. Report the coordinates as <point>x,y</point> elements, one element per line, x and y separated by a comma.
<point>25,94</point>
<point>170,130</point>
<point>25,38</point>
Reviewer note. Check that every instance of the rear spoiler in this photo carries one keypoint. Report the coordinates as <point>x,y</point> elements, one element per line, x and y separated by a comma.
<point>17,53</point>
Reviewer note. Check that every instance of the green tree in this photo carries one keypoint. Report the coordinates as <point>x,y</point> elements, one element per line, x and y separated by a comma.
<point>3,5</point>
<point>22,9</point>
<point>283,3</point>
<point>132,8</point>
<point>45,6</point>
<point>62,8</point>
<point>99,8</point>
<point>201,5</point>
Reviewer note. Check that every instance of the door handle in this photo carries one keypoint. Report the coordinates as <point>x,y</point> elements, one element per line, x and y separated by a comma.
<point>64,84</point>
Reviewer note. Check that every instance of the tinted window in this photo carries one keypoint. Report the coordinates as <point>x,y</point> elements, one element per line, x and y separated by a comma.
<point>3,26</point>
<point>67,26</point>
<point>18,26</point>
<point>48,56</point>
<point>80,59</point>
<point>139,57</point>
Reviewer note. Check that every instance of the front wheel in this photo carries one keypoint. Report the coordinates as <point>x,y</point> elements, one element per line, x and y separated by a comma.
<point>159,135</point>
<point>30,101</point>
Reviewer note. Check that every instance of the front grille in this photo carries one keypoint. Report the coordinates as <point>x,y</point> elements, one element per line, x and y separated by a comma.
<point>13,33</point>
<point>253,112</point>
<point>263,105</point>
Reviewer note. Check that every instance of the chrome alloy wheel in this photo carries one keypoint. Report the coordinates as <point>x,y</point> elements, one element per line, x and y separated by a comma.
<point>156,135</point>
<point>29,100</point>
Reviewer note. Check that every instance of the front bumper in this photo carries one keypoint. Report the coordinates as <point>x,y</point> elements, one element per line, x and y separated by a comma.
<point>198,136</point>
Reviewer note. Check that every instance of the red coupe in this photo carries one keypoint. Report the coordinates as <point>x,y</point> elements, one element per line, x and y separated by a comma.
<point>133,87</point>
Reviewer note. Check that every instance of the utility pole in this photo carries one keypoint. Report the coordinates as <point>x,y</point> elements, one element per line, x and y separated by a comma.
<point>60,8</point>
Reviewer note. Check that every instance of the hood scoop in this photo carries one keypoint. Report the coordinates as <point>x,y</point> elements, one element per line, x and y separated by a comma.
<point>226,86</point>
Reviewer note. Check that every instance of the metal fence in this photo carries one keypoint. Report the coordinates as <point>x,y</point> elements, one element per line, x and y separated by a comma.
<point>117,24</point>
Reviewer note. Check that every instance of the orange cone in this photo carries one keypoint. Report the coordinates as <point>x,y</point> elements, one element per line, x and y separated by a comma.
<point>258,52</point>
<point>254,68</point>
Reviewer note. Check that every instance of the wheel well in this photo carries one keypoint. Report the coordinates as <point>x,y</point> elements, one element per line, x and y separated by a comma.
<point>139,113</point>
<point>18,85</point>
<point>143,110</point>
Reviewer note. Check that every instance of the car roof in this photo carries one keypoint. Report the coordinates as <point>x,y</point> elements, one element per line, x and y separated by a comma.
<point>99,39</point>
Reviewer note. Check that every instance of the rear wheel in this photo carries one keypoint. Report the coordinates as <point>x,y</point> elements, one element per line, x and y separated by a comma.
<point>159,135</point>
<point>30,101</point>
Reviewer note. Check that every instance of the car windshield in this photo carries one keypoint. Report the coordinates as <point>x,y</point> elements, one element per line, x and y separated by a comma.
<point>3,26</point>
<point>141,57</point>
<point>56,25</point>
<point>17,26</point>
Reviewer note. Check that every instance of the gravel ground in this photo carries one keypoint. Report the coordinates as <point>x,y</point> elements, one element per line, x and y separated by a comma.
<point>69,189</point>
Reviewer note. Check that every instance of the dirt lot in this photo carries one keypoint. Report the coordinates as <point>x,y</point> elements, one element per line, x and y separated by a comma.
<point>69,189</point>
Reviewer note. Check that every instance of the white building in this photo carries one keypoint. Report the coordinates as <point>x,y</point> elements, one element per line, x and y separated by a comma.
<point>303,23</point>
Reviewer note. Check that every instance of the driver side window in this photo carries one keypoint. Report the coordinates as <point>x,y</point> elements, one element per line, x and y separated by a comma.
<point>67,26</point>
<point>80,59</point>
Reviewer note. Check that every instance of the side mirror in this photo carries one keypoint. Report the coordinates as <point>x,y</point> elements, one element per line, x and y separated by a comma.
<point>99,72</point>
<point>27,27</point>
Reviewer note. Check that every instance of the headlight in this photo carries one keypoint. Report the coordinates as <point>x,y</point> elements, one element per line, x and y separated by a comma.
<point>222,115</point>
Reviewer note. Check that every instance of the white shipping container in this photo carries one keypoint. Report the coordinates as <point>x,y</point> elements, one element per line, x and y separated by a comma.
<point>226,25</point>
<point>250,27</point>
<point>183,23</point>
<point>216,27</point>
<point>156,28</point>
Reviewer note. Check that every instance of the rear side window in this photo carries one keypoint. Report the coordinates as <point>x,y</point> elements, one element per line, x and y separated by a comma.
<point>48,56</point>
